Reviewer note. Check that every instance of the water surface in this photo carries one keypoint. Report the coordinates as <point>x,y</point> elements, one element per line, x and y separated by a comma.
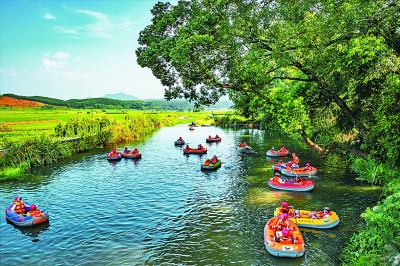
<point>163,210</point>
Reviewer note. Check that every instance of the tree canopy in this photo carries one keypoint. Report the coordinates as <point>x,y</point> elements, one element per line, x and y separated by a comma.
<point>327,70</point>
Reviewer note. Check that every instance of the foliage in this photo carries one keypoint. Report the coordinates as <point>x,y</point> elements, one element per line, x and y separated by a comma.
<point>328,69</point>
<point>379,242</point>
<point>373,172</point>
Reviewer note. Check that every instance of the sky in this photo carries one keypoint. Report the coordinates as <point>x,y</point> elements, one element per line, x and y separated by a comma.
<point>74,49</point>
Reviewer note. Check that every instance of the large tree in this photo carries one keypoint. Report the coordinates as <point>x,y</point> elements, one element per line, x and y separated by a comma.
<point>328,70</point>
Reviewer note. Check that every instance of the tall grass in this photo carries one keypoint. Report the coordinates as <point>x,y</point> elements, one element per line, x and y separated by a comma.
<point>44,147</point>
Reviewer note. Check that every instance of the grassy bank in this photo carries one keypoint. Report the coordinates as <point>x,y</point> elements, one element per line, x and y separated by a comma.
<point>378,242</point>
<point>33,137</point>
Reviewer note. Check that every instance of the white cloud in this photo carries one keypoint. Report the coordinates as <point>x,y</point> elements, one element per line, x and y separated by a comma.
<point>51,64</point>
<point>61,29</point>
<point>57,60</point>
<point>100,27</point>
<point>56,66</point>
<point>47,15</point>
<point>61,55</point>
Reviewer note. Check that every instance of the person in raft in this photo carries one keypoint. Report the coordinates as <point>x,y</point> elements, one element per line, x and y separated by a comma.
<point>126,150</point>
<point>200,147</point>
<point>308,167</point>
<point>272,150</point>
<point>216,137</point>
<point>326,212</point>
<point>135,151</point>
<point>282,222</point>
<point>187,147</point>
<point>287,237</point>
<point>298,179</point>
<point>277,178</point>
<point>214,159</point>
<point>285,208</point>
<point>180,139</point>
<point>113,152</point>
<point>295,159</point>
<point>282,149</point>
<point>242,144</point>
<point>19,206</point>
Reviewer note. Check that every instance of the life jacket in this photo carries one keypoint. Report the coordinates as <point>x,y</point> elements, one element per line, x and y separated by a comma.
<point>285,209</point>
<point>285,240</point>
<point>282,224</point>
<point>19,207</point>
<point>207,162</point>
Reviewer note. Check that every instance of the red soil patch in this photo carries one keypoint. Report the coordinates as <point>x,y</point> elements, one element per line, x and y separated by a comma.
<point>13,102</point>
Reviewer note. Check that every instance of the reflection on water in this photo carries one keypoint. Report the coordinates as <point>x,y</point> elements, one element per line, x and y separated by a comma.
<point>34,231</point>
<point>163,210</point>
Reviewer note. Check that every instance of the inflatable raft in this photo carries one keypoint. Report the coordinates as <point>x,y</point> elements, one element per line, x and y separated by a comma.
<point>291,185</point>
<point>273,153</point>
<point>320,221</point>
<point>26,220</point>
<point>279,166</point>
<point>179,143</point>
<point>211,166</point>
<point>275,245</point>
<point>194,151</point>
<point>209,140</point>
<point>114,157</point>
<point>131,155</point>
<point>301,171</point>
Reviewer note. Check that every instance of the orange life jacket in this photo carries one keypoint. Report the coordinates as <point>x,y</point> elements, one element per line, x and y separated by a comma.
<point>19,207</point>
<point>285,240</point>
<point>296,160</point>
<point>282,224</point>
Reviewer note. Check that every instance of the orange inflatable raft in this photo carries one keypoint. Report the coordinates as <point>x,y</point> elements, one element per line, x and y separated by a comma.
<point>278,246</point>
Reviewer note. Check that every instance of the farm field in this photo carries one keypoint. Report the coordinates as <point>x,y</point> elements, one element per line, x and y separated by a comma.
<point>20,123</point>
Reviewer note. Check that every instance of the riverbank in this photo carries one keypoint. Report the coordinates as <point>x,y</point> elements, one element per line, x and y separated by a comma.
<point>33,138</point>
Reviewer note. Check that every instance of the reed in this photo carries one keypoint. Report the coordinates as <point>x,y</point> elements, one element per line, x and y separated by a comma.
<point>45,147</point>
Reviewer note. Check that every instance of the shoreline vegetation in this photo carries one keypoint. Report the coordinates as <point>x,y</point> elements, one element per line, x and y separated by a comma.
<point>34,137</point>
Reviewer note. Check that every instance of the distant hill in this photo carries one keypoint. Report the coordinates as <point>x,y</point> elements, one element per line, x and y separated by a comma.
<point>11,100</point>
<point>120,96</point>
<point>20,103</point>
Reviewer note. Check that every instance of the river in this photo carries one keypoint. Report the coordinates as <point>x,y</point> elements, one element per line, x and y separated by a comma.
<point>163,210</point>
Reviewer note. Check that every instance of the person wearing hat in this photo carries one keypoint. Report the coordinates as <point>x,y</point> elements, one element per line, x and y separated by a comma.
<point>326,212</point>
<point>19,206</point>
<point>277,178</point>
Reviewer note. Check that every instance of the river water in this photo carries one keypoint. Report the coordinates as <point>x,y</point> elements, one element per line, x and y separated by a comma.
<point>163,210</point>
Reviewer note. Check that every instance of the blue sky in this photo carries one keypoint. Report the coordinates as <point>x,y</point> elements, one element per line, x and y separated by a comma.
<point>74,49</point>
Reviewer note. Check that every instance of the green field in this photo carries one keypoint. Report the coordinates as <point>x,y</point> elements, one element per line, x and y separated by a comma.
<point>19,123</point>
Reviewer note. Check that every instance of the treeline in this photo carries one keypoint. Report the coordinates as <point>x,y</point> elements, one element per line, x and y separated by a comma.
<point>323,71</point>
<point>107,103</point>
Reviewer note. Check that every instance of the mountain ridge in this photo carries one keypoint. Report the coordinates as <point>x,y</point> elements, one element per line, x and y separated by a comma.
<point>120,96</point>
